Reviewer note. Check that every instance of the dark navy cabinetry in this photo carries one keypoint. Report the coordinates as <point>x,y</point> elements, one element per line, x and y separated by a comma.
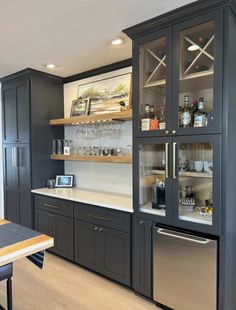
<point>184,164</point>
<point>29,99</point>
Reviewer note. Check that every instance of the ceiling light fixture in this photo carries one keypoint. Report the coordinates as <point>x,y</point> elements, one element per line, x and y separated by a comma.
<point>50,66</point>
<point>193,48</point>
<point>117,41</point>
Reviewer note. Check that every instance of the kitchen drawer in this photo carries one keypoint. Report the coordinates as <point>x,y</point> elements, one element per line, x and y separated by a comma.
<point>54,205</point>
<point>101,216</point>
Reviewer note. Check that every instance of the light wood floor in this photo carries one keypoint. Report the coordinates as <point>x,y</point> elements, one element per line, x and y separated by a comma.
<point>63,285</point>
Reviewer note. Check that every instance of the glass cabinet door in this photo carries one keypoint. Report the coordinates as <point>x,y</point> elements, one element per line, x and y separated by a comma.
<point>197,88</point>
<point>154,72</point>
<point>154,179</point>
<point>196,175</point>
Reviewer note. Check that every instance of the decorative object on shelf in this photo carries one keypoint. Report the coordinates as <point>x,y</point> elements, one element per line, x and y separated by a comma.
<point>67,147</point>
<point>79,107</point>
<point>64,180</point>
<point>50,183</point>
<point>108,95</point>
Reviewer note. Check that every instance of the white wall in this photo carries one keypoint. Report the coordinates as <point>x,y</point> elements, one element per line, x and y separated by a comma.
<point>1,163</point>
<point>99,176</point>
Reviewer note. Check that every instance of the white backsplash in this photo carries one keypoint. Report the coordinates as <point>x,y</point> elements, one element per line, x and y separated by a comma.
<point>110,177</point>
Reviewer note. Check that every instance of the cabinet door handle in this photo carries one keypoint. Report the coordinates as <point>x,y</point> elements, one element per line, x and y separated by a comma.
<point>50,206</point>
<point>14,157</point>
<point>141,222</point>
<point>102,218</point>
<point>95,228</point>
<point>100,229</point>
<point>167,160</point>
<point>174,160</point>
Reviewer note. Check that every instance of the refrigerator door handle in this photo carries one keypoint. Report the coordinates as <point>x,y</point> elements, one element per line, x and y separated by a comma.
<point>165,232</point>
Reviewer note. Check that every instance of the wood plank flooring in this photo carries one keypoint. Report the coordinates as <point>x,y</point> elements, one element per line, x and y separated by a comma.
<point>62,285</point>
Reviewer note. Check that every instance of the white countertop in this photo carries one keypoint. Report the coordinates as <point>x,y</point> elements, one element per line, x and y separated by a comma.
<point>89,196</point>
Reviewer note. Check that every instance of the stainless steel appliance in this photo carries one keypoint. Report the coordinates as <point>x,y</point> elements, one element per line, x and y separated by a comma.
<point>185,270</point>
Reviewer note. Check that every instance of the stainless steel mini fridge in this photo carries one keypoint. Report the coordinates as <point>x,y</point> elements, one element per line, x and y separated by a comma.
<point>185,270</point>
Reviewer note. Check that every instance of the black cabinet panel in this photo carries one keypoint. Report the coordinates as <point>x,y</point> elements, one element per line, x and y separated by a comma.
<point>58,206</point>
<point>60,228</point>
<point>86,245</point>
<point>141,264</point>
<point>115,255</point>
<point>22,108</point>
<point>29,100</point>
<point>64,232</point>
<point>103,216</point>
<point>9,112</point>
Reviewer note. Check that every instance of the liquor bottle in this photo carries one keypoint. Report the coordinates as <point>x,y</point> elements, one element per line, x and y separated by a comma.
<point>146,120</point>
<point>154,125</point>
<point>162,121</point>
<point>200,117</point>
<point>194,110</point>
<point>185,114</point>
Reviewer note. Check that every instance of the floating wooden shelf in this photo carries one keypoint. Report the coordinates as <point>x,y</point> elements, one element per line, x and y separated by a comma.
<point>76,120</point>
<point>105,159</point>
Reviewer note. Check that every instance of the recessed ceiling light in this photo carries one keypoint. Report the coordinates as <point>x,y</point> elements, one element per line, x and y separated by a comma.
<point>117,41</point>
<point>193,47</point>
<point>50,66</point>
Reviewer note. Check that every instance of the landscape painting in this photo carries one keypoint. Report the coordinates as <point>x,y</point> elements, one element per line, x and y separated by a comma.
<point>108,95</point>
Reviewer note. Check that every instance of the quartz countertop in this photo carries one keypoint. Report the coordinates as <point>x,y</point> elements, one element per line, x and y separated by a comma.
<point>98,198</point>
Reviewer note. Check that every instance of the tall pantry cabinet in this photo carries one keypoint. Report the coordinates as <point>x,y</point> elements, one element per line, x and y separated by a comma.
<point>29,99</point>
<point>189,166</point>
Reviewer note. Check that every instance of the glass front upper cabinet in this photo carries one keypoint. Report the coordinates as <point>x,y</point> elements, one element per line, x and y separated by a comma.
<point>197,90</point>
<point>196,177</point>
<point>154,178</point>
<point>153,79</point>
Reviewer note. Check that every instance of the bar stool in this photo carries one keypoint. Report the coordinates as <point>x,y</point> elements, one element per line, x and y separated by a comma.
<point>6,273</point>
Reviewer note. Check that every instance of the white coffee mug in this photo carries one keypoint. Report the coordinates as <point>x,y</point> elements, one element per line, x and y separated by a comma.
<point>198,165</point>
<point>206,166</point>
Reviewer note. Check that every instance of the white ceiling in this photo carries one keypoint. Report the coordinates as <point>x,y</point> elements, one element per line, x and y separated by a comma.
<point>73,34</point>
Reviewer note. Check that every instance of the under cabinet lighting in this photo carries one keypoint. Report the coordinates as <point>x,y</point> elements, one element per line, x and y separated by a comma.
<point>117,41</point>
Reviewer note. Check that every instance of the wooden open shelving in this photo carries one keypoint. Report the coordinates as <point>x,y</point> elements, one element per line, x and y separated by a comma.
<point>76,120</point>
<point>91,158</point>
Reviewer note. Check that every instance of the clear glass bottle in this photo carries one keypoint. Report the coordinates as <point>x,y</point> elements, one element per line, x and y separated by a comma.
<point>146,120</point>
<point>200,117</point>
<point>185,114</point>
<point>162,121</point>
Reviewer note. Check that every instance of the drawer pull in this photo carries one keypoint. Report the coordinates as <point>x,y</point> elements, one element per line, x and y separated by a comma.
<point>141,222</point>
<point>100,229</point>
<point>102,218</point>
<point>50,206</point>
<point>95,228</point>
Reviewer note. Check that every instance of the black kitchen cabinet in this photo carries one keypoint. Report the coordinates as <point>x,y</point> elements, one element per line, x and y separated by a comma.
<point>102,241</point>
<point>16,114</point>
<point>86,245</point>
<point>50,221</point>
<point>29,99</point>
<point>198,42</point>
<point>17,183</point>
<point>142,256</point>
<point>115,255</point>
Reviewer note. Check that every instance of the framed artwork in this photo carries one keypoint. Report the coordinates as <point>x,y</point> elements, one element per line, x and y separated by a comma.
<point>112,94</point>
<point>79,107</point>
<point>64,180</point>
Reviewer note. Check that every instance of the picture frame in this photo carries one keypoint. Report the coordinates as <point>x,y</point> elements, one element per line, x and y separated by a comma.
<point>112,94</point>
<point>79,107</point>
<point>66,180</point>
